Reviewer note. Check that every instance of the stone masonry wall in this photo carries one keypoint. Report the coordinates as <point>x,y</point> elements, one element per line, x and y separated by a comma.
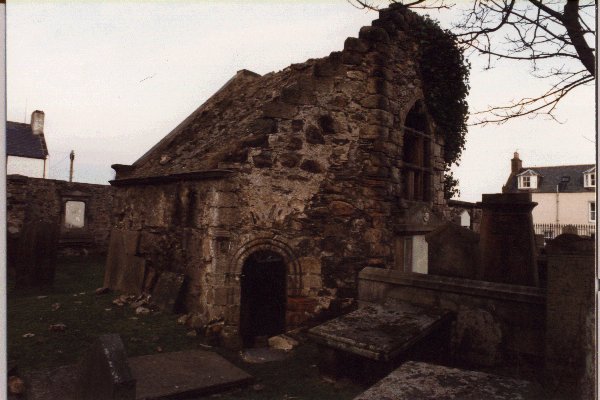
<point>314,160</point>
<point>43,199</point>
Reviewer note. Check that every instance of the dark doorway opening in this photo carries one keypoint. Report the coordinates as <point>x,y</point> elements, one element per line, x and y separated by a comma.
<point>263,297</point>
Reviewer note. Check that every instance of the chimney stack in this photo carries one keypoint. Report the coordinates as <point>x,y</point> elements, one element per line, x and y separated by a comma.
<point>516,164</point>
<point>37,122</point>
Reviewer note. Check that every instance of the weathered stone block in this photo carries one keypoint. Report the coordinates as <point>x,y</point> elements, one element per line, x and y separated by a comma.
<point>311,166</point>
<point>105,373</point>
<point>35,258</point>
<point>357,45</point>
<point>341,208</point>
<point>374,34</point>
<point>263,126</point>
<point>295,143</point>
<point>376,101</point>
<point>299,93</point>
<point>264,159</point>
<point>167,293</point>
<point>289,160</point>
<point>477,337</point>
<point>312,281</point>
<point>310,265</point>
<point>454,251</point>
<point>352,58</point>
<point>369,132</point>
<point>378,86</point>
<point>314,135</point>
<point>276,109</point>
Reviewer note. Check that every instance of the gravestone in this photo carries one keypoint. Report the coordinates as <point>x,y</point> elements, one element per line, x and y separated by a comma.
<point>507,239</point>
<point>124,269</point>
<point>453,251</point>
<point>35,256</point>
<point>424,381</point>
<point>105,372</point>
<point>167,292</point>
<point>570,313</point>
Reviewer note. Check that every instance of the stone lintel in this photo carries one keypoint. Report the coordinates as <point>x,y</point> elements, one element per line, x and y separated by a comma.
<point>185,176</point>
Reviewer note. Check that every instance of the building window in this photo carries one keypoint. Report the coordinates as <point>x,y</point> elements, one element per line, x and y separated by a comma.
<point>528,181</point>
<point>589,179</point>
<point>74,214</point>
<point>417,170</point>
<point>592,211</point>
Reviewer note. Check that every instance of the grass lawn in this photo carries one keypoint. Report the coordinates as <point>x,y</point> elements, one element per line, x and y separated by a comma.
<point>73,302</point>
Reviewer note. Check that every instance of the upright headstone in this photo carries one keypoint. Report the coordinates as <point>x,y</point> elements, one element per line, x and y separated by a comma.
<point>124,270</point>
<point>570,314</point>
<point>105,373</point>
<point>36,251</point>
<point>507,239</point>
<point>453,251</point>
<point>167,293</point>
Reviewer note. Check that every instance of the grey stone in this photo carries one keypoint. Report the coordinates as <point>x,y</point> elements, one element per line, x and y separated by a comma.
<point>453,251</point>
<point>417,380</point>
<point>36,254</point>
<point>379,332</point>
<point>167,292</point>
<point>104,371</point>
<point>184,374</point>
<point>507,242</point>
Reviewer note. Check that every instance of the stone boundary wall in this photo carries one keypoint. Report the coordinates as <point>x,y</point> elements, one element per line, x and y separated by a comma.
<point>35,199</point>
<point>494,321</point>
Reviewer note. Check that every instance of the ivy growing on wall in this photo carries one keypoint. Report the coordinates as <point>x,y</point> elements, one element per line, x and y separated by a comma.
<point>445,75</point>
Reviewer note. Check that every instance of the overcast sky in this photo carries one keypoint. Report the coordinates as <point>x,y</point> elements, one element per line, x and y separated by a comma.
<point>114,78</point>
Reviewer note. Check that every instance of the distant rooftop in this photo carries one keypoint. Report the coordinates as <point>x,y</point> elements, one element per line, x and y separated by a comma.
<point>22,142</point>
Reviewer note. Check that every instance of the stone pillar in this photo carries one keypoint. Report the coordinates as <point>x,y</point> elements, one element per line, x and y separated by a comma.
<point>507,240</point>
<point>570,315</point>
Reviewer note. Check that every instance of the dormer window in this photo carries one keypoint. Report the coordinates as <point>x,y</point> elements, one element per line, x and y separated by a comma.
<point>589,178</point>
<point>528,180</point>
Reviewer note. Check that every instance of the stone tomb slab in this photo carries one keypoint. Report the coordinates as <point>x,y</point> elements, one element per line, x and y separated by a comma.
<point>184,373</point>
<point>379,332</point>
<point>158,376</point>
<point>424,381</point>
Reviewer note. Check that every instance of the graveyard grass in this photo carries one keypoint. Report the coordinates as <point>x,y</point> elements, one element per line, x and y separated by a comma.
<point>87,315</point>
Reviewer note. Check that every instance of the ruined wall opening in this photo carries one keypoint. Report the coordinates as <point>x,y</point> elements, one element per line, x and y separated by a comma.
<point>263,296</point>
<point>417,172</point>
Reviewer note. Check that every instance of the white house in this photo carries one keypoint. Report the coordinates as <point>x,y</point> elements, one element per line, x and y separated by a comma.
<point>26,150</point>
<point>566,195</point>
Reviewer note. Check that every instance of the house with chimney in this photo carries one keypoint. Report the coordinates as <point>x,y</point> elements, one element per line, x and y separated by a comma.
<point>26,150</point>
<point>565,196</point>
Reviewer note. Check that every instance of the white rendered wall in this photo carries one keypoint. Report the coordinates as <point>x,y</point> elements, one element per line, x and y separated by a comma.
<point>573,208</point>
<point>31,167</point>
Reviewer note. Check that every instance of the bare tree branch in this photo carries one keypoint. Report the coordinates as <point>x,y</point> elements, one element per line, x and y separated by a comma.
<point>542,32</point>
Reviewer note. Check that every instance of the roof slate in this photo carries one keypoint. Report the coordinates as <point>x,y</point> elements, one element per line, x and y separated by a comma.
<point>550,177</point>
<point>21,142</point>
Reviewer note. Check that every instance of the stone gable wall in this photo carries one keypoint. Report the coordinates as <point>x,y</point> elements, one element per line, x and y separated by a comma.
<point>316,158</point>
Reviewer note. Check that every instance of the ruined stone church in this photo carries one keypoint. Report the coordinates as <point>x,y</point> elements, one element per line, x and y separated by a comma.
<point>280,188</point>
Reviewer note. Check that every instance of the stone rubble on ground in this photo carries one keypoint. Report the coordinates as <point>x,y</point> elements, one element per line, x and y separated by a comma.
<point>102,290</point>
<point>142,310</point>
<point>283,342</point>
<point>57,327</point>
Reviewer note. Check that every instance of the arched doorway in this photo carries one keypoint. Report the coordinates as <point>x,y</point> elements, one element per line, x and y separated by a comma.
<point>263,296</point>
